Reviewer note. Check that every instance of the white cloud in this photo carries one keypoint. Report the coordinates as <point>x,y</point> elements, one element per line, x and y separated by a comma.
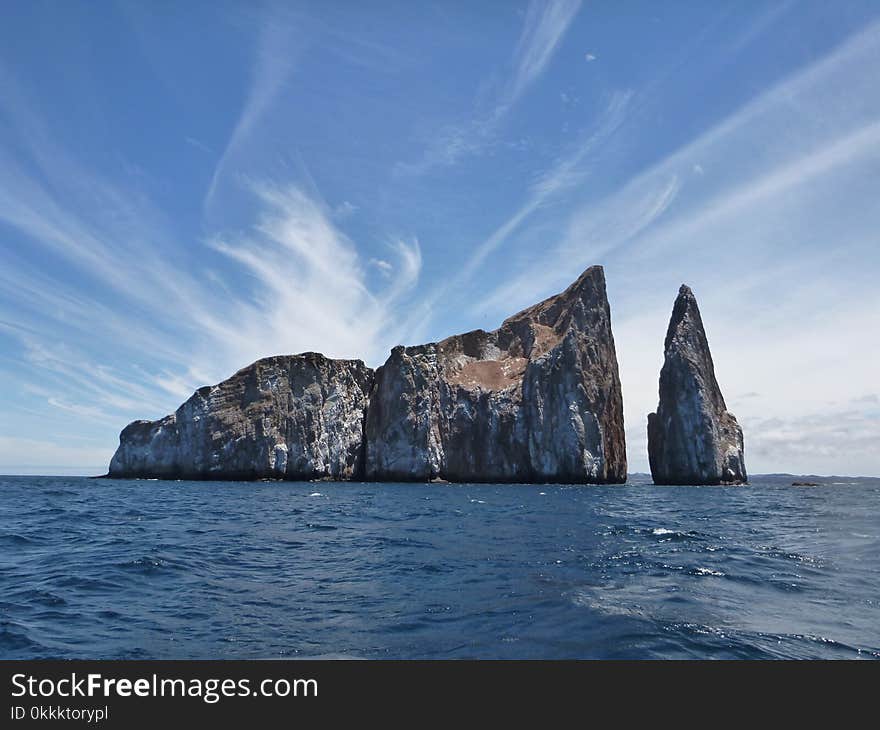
<point>770,215</point>
<point>344,210</point>
<point>199,145</point>
<point>309,286</point>
<point>99,228</point>
<point>308,291</point>
<point>277,49</point>
<point>561,177</point>
<point>409,256</point>
<point>544,26</point>
<point>589,235</point>
<point>104,346</point>
<point>779,243</point>
<point>384,267</point>
<point>816,443</point>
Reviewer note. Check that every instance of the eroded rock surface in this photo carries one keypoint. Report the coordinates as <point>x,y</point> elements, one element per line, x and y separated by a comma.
<point>692,438</point>
<point>537,400</point>
<point>285,417</point>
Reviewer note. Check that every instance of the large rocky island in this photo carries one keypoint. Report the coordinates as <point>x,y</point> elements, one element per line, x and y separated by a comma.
<point>537,400</point>
<point>692,438</point>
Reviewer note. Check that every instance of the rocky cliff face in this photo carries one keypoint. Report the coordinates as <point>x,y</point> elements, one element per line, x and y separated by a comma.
<point>692,439</point>
<point>287,417</point>
<point>536,400</point>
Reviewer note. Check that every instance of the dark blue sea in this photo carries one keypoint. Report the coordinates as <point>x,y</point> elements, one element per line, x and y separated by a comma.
<point>151,569</point>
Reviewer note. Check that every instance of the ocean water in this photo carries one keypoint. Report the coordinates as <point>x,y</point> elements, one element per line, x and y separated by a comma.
<point>151,569</point>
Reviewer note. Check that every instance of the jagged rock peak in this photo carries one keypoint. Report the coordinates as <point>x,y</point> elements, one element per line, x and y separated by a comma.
<point>283,417</point>
<point>536,400</point>
<point>692,438</point>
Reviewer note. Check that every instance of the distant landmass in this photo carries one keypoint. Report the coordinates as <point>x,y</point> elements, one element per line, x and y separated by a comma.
<point>537,400</point>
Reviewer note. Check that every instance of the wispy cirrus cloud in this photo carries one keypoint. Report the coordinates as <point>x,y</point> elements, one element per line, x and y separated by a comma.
<point>278,45</point>
<point>137,266</point>
<point>753,214</point>
<point>588,236</point>
<point>310,283</point>
<point>102,345</point>
<point>559,178</point>
<point>544,26</point>
<point>108,350</point>
<point>702,188</point>
<point>308,290</point>
<point>569,170</point>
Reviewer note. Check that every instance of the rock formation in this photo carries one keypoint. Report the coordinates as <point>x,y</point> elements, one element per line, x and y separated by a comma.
<point>536,400</point>
<point>692,439</point>
<point>286,417</point>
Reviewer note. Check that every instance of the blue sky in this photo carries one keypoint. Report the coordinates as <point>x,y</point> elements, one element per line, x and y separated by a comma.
<point>186,187</point>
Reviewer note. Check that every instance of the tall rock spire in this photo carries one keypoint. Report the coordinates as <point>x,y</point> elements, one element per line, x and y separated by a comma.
<point>692,439</point>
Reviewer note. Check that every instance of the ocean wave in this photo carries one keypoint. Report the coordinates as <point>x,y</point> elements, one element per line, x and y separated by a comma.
<point>707,571</point>
<point>149,564</point>
<point>16,540</point>
<point>14,639</point>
